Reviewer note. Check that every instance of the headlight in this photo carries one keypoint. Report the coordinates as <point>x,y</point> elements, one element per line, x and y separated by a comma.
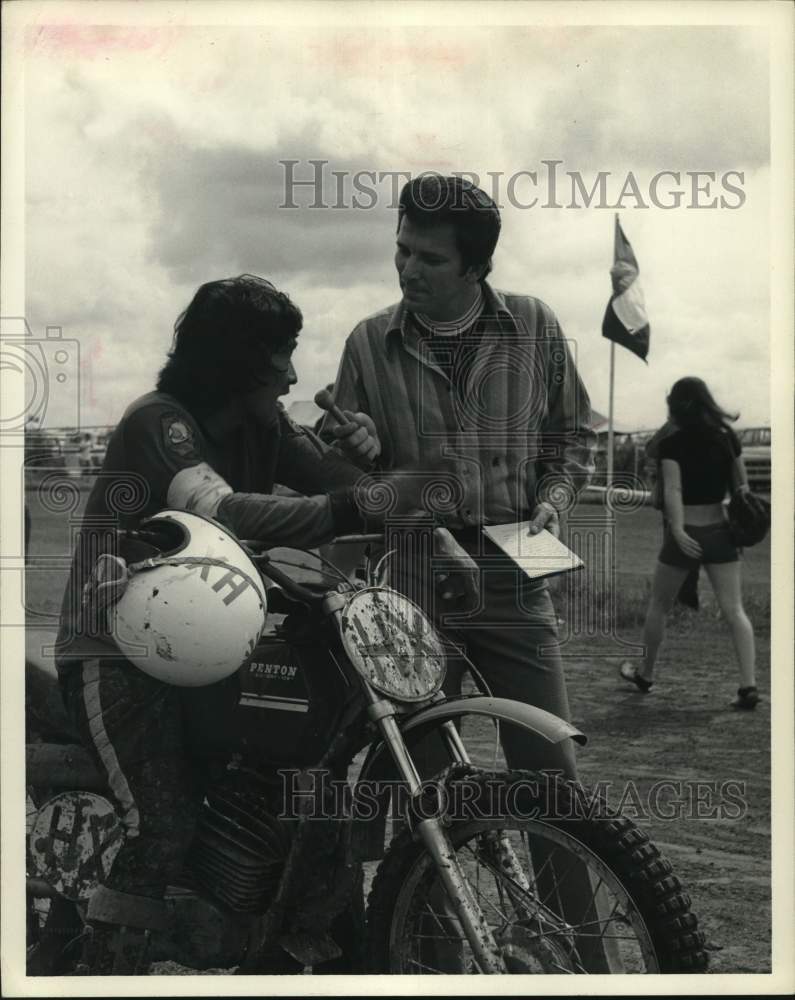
<point>392,644</point>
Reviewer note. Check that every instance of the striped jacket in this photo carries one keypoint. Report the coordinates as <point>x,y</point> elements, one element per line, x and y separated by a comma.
<point>513,429</point>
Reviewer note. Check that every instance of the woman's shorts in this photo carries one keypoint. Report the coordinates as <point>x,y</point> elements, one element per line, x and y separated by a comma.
<point>716,544</point>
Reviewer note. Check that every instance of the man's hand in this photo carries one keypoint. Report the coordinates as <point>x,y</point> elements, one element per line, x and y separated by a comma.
<point>545,516</point>
<point>358,437</point>
<point>464,575</point>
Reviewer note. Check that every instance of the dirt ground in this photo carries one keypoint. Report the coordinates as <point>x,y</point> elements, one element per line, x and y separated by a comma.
<point>711,814</point>
<point>718,761</point>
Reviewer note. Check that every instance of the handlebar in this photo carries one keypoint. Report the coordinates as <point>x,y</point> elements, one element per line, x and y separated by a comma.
<point>357,539</point>
<point>253,544</point>
<point>257,552</point>
<point>286,582</point>
<point>291,587</point>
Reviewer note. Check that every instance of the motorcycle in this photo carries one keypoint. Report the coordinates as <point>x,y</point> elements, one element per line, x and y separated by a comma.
<point>489,870</point>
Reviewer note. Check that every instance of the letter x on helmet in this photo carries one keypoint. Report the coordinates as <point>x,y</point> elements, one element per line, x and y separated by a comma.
<point>191,614</point>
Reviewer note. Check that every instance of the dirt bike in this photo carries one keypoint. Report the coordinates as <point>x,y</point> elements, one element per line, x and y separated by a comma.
<point>478,877</point>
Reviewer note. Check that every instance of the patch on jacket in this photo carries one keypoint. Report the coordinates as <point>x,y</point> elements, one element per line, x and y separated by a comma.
<point>177,434</point>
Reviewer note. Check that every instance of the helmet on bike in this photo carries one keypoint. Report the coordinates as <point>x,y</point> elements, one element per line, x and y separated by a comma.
<point>191,613</point>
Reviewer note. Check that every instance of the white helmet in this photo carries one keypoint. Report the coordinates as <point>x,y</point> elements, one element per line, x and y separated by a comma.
<point>192,614</point>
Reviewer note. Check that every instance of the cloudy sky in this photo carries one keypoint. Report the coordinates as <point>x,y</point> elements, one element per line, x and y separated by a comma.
<point>153,164</point>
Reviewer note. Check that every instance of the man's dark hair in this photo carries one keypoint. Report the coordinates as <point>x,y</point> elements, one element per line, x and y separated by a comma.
<point>432,198</point>
<point>224,340</point>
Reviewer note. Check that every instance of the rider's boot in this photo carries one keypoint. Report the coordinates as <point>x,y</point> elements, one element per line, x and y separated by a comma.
<point>347,931</point>
<point>118,931</point>
<point>114,950</point>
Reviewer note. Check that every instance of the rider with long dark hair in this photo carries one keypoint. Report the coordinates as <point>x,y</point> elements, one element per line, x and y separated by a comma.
<point>701,463</point>
<point>211,440</point>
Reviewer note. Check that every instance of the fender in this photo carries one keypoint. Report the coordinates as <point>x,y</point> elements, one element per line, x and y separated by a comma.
<point>537,720</point>
<point>379,766</point>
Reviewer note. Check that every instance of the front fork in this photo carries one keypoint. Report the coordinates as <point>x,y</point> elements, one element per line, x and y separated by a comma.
<point>433,835</point>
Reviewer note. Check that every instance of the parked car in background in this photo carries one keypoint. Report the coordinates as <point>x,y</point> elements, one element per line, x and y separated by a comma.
<point>83,443</point>
<point>756,442</point>
<point>98,448</point>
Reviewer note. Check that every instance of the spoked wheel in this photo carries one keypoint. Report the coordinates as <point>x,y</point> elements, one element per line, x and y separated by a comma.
<point>561,894</point>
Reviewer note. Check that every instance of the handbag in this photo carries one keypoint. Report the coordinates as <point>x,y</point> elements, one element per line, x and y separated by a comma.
<point>749,518</point>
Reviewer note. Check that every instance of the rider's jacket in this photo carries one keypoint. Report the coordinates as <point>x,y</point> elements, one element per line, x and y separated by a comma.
<point>160,456</point>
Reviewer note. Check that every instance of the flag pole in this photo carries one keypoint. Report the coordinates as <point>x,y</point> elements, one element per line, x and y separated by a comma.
<point>609,479</point>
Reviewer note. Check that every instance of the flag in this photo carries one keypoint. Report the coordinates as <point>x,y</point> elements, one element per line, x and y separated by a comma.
<point>625,319</point>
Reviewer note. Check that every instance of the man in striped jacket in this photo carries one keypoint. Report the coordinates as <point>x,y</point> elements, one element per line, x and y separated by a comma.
<point>481,386</point>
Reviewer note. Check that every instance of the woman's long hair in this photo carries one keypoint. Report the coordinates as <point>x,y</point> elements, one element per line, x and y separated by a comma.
<point>693,407</point>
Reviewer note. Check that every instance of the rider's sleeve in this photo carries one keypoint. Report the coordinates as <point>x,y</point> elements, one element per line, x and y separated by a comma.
<point>167,447</point>
<point>277,520</point>
<point>308,464</point>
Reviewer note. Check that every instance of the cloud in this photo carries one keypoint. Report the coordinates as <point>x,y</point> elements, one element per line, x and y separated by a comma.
<point>224,211</point>
<point>153,166</point>
<point>648,99</point>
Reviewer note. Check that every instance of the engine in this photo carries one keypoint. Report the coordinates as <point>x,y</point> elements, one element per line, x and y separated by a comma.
<point>239,851</point>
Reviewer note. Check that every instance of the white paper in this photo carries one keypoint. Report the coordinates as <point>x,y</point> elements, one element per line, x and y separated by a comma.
<point>538,555</point>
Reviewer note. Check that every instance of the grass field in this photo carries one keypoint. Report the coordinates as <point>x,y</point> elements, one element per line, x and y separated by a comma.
<point>635,538</point>
<point>712,818</point>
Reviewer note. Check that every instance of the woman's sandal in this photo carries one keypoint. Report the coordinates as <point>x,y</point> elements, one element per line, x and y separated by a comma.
<point>630,673</point>
<point>747,697</point>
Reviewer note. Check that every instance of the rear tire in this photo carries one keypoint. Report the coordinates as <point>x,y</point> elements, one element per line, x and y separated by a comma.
<point>637,919</point>
<point>54,938</point>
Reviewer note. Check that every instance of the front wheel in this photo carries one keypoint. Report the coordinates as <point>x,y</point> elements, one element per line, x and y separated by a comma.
<point>566,886</point>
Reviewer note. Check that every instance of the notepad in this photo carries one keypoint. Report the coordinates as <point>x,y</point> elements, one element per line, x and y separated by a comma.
<point>538,555</point>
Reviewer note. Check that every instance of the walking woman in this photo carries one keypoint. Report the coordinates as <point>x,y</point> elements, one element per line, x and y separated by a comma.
<point>701,463</point>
